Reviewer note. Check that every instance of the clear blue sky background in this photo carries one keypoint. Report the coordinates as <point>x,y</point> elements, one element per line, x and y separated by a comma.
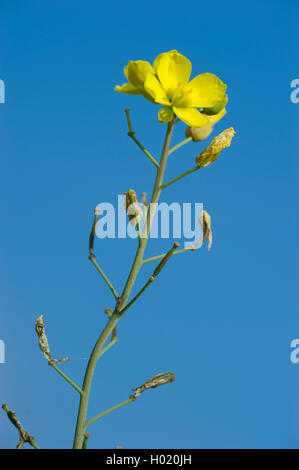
<point>223,320</point>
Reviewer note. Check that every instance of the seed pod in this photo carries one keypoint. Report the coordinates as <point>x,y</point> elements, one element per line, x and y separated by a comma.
<point>205,223</point>
<point>43,341</point>
<point>156,381</point>
<point>42,338</point>
<point>212,152</point>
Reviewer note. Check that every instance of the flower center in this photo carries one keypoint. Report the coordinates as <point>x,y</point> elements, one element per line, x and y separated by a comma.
<point>179,96</point>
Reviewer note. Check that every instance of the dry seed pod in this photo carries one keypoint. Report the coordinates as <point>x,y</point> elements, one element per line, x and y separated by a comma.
<point>43,341</point>
<point>24,436</point>
<point>42,338</point>
<point>153,382</point>
<point>205,223</point>
<point>212,152</point>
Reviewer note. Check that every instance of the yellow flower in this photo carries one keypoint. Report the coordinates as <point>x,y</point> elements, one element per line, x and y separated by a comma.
<point>167,83</point>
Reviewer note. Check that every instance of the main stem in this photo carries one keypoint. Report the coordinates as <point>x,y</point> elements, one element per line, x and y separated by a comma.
<point>96,352</point>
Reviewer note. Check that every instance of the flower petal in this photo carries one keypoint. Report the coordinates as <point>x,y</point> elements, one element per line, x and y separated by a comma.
<point>173,70</point>
<point>204,90</point>
<point>191,116</point>
<point>165,114</point>
<point>216,117</point>
<point>137,71</point>
<point>128,88</point>
<point>153,87</point>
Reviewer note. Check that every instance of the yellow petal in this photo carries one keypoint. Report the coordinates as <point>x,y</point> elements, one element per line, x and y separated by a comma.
<point>173,70</point>
<point>204,90</point>
<point>137,71</point>
<point>216,117</point>
<point>153,87</point>
<point>165,114</point>
<point>216,108</point>
<point>191,116</point>
<point>127,88</point>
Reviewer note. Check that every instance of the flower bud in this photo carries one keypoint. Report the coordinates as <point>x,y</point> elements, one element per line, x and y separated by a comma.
<point>216,108</point>
<point>165,114</point>
<point>199,133</point>
<point>132,207</point>
<point>212,152</point>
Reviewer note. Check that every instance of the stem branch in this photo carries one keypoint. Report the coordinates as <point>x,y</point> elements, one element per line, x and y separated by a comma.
<point>154,258</point>
<point>52,364</point>
<point>180,177</point>
<point>176,147</point>
<point>131,134</point>
<point>99,269</point>
<point>95,418</point>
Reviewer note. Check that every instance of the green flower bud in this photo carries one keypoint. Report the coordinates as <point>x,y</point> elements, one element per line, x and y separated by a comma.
<point>132,207</point>
<point>216,108</point>
<point>199,133</point>
<point>165,114</point>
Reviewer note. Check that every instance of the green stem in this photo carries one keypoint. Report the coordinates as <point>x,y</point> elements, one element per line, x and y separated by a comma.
<point>92,259</point>
<point>96,352</point>
<point>180,177</point>
<point>52,364</point>
<point>152,159</point>
<point>109,345</point>
<point>154,258</point>
<point>131,134</point>
<point>86,437</point>
<point>165,259</point>
<point>95,418</point>
<point>180,145</point>
<point>151,279</point>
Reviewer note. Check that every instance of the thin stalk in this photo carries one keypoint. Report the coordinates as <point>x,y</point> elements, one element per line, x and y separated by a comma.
<point>154,258</point>
<point>176,147</point>
<point>123,403</point>
<point>109,345</point>
<point>152,159</point>
<point>151,279</point>
<point>81,420</point>
<point>131,134</point>
<point>52,364</point>
<point>86,437</point>
<point>165,259</point>
<point>99,269</point>
<point>179,177</point>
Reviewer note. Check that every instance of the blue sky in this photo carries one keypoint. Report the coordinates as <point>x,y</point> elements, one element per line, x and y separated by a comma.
<point>222,320</point>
